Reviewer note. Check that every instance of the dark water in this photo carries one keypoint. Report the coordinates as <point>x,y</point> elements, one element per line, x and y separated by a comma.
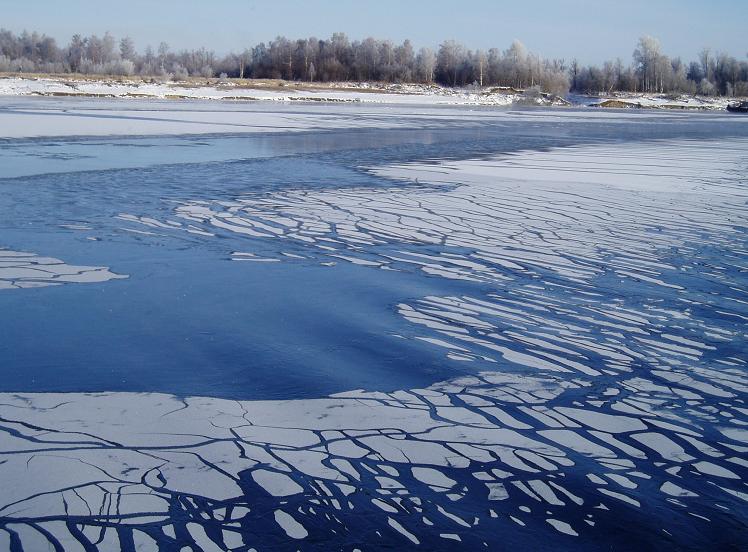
<point>188,322</point>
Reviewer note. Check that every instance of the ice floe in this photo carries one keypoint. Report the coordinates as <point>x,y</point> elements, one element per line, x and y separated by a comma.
<point>308,468</point>
<point>27,270</point>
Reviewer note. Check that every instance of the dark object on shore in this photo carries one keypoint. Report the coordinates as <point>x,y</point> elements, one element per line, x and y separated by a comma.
<point>741,107</point>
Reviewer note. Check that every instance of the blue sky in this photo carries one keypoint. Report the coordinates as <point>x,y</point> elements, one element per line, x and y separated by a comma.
<point>589,31</point>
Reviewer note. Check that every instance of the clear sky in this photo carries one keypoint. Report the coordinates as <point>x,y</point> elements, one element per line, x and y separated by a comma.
<point>591,31</point>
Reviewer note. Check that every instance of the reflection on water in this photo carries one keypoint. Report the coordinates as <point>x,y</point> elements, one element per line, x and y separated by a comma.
<point>32,157</point>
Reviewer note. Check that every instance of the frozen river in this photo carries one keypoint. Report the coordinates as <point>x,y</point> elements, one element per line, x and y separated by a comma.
<point>237,326</point>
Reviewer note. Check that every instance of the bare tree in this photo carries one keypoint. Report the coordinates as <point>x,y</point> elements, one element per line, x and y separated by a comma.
<point>243,59</point>
<point>481,60</point>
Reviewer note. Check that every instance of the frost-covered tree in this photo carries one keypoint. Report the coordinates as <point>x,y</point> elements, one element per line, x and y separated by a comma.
<point>448,61</point>
<point>425,63</point>
<point>127,48</point>
<point>405,57</point>
<point>706,88</point>
<point>647,58</point>
<point>481,60</point>
<point>76,52</point>
<point>163,52</point>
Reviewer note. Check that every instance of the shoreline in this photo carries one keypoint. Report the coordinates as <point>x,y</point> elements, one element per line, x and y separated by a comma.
<point>260,90</point>
<point>256,90</point>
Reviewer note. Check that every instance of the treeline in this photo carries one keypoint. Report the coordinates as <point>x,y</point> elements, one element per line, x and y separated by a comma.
<point>340,59</point>
<point>652,71</point>
<point>335,59</point>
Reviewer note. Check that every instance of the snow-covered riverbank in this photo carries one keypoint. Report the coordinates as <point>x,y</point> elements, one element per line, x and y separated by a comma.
<point>375,93</point>
<point>655,101</point>
<point>364,92</point>
<point>263,90</point>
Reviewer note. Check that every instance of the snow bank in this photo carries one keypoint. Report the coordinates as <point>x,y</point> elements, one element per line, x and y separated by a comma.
<point>411,94</point>
<point>362,92</point>
<point>657,101</point>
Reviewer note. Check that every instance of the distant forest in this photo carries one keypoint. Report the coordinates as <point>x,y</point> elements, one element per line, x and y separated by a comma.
<point>340,59</point>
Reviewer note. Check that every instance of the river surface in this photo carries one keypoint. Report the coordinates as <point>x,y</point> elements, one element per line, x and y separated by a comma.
<point>372,328</point>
